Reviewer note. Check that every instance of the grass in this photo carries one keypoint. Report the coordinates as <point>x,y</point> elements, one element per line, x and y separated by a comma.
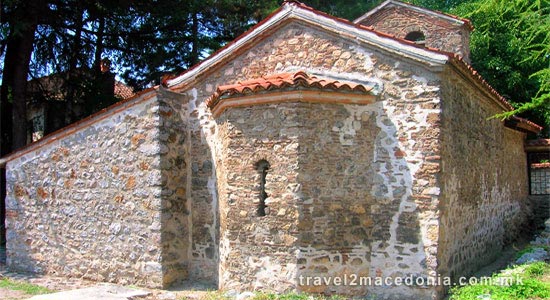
<point>27,288</point>
<point>533,282</point>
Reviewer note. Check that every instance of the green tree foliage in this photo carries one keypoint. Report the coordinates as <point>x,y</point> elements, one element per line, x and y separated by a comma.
<point>144,40</point>
<point>179,34</point>
<point>69,38</point>
<point>347,9</point>
<point>511,49</point>
<point>440,5</point>
<point>147,39</point>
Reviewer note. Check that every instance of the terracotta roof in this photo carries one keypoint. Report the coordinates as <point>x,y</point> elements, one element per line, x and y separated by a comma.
<point>540,166</point>
<point>175,81</point>
<point>522,124</point>
<point>527,125</point>
<point>453,59</point>
<point>53,86</point>
<point>540,145</point>
<point>282,81</point>
<point>123,91</point>
<point>461,64</point>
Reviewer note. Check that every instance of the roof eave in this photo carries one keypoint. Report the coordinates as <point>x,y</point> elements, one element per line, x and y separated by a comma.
<point>522,125</point>
<point>537,145</point>
<point>466,69</point>
<point>514,122</point>
<point>78,125</point>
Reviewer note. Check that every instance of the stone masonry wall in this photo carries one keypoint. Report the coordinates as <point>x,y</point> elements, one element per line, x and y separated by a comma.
<point>258,251</point>
<point>174,168</point>
<point>440,34</point>
<point>483,178</point>
<point>399,172</point>
<point>90,204</point>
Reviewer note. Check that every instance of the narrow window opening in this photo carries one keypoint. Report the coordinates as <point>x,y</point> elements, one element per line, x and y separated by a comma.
<point>416,36</point>
<point>262,166</point>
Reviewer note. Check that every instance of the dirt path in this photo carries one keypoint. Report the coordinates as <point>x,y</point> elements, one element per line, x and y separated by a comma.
<point>185,290</point>
<point>6,294</point>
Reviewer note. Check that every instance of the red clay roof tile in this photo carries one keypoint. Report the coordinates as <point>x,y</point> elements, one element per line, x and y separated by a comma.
<point>123,91</point>
<point>525,124</point>
<point>282,81</point>
<point>540,166</point>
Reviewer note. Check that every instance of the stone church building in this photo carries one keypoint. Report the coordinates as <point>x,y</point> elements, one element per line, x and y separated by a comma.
<point>309,147</point>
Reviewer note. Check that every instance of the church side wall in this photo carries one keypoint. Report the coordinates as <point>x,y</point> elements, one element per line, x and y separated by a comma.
<point>484,179</point>
<point>89,204</point>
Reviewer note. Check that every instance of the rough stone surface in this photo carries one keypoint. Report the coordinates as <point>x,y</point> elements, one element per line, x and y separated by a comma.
<point>541,211</point>
<point>417,184</point>
<point>348,166</point>
<point>173,169</point>
<point>543,239</point>
<point>440,34</point>
<point>483,180</point>
<point>101,203</point>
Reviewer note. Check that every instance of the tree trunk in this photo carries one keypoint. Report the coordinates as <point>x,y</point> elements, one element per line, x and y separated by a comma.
<point>194,59</point>
<point>16,69</point>
<point>19,86</point>
<point>74,80</point>
<point>98,53</point>
<point>13,101</point>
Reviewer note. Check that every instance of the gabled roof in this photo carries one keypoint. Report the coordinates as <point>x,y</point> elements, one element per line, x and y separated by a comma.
<point>123,91</point>
<point>296,11</point>
<point>53,85</point>
<point>389,3</point>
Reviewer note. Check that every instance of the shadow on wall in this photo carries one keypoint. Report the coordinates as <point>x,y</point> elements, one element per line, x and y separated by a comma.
<point>174,219</point>
<point>202,191</point>
<point>337,200</point>
<point>3,209</point>
<point>358,219</point>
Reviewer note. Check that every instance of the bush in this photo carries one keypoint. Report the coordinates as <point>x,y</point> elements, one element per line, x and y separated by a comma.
<point>533,283</point>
